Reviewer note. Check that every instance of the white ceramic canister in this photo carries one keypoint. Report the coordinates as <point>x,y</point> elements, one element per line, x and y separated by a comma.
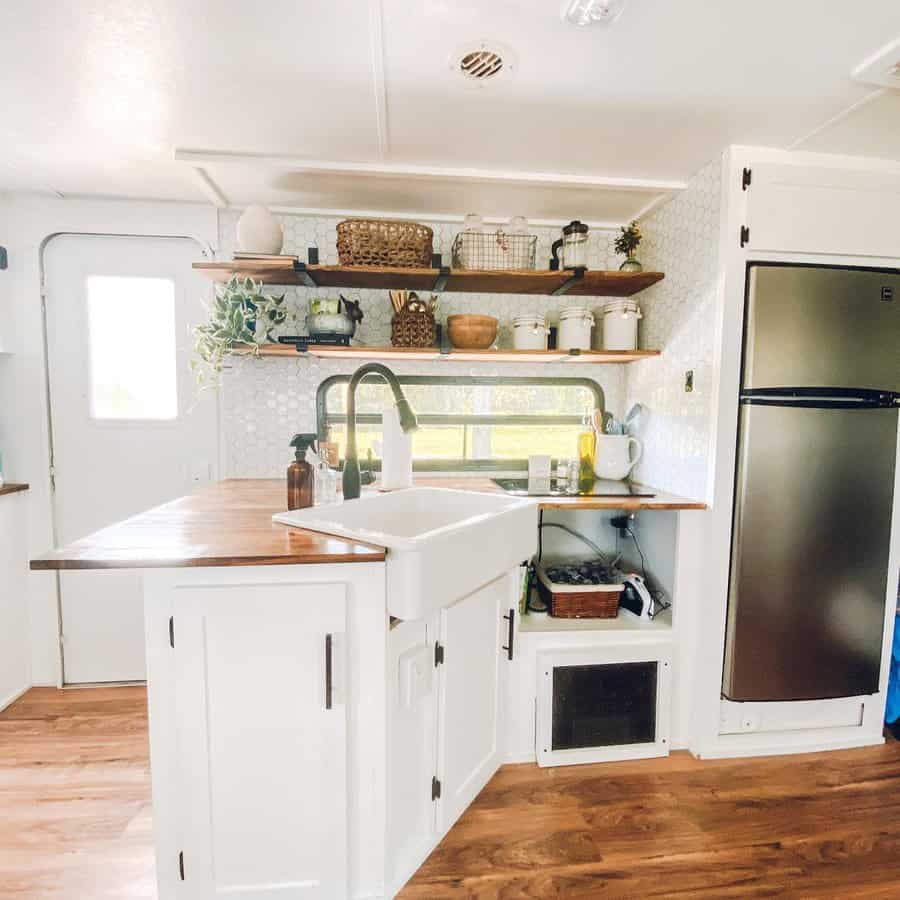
<point>575,324</point>
<point>620,324</point>
<point>530,333</point>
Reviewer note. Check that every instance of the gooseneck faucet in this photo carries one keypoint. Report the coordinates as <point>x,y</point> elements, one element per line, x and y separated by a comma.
<point>351,479</point>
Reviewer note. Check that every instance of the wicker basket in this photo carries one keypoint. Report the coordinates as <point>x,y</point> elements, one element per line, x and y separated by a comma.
<point>384,242</point>
<point>412,329</point>
<point>570,601</point>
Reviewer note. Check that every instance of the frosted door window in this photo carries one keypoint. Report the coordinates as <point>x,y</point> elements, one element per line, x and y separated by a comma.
<point>131,333</point>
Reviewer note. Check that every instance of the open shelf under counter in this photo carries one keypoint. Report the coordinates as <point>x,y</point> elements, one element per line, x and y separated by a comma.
<point>324,351</point>
<point>626,624</point>
<point>289,271</point>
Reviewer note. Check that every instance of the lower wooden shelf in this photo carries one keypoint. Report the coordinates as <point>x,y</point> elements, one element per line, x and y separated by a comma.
<point>453,355</point>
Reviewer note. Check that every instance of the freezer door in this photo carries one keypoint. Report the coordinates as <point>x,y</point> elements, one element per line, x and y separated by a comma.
<point>809,554</point>
<point>811,327</point>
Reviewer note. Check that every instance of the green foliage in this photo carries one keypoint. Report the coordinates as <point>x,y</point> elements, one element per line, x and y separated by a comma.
<point>240,314</point>
<point>629,239</point>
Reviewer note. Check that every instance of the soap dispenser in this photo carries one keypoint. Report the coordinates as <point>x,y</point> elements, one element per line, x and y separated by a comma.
<point>301,476</point>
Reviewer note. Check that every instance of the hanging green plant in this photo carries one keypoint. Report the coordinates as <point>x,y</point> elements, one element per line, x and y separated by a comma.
<point>241,314</point>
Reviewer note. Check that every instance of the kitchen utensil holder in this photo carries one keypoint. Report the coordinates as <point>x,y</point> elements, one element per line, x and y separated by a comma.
<point>412,329</point>
<point>384,242</point>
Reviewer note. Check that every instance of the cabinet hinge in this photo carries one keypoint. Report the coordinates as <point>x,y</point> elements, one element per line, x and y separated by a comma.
<point>438,654</point>
<point>181,865</point>
<point>745,235</point>
<point>746,179</point>
<point>435,788</point>
<point>172,632</point>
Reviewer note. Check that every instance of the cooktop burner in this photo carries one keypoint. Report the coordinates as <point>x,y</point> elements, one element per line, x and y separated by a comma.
<point>551,487</point>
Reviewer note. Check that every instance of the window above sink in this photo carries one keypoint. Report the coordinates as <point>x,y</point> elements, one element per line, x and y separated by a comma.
<point>467,422</point>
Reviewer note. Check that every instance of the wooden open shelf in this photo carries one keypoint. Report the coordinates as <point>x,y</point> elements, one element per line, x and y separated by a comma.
<point>432,353</point>
<point>576,283</point>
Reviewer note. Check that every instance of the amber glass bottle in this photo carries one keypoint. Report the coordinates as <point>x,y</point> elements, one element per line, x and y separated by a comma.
<point>301,476</point>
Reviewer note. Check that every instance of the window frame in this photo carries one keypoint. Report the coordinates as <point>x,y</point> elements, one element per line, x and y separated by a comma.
<point>324,419</point>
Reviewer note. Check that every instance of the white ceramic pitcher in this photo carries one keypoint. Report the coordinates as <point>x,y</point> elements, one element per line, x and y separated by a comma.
<point>614,458</point>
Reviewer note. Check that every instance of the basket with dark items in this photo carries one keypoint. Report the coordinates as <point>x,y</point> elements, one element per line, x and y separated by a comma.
<point>588,589</point>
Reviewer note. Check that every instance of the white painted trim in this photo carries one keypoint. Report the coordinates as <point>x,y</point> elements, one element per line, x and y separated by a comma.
<point>376,50</point>
<point>343,213</point>
<point>208,187</point>
<point>411,171</point>
<point>838,117</point>
<point>11,698</point>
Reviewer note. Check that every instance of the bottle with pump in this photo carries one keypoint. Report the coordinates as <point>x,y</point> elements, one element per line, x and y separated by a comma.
<point>301,476</point>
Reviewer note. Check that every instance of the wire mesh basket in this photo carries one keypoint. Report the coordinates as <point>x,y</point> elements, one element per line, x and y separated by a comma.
<point>493,250</point>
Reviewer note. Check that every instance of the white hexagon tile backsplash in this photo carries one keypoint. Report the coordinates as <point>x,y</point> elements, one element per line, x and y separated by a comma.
<point>265,401</point>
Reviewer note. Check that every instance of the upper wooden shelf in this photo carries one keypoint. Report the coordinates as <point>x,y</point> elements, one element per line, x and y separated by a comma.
<point>431,353</point>
<point>576,283</point>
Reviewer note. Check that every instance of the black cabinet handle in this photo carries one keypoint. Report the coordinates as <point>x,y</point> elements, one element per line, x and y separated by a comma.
<point>508,646</point>
<point>328,671</point>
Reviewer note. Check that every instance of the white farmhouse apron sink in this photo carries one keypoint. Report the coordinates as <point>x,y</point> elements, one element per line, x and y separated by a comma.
<point>441,544</point>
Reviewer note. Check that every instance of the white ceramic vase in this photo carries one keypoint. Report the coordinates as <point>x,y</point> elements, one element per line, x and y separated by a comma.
<point>258,231</point>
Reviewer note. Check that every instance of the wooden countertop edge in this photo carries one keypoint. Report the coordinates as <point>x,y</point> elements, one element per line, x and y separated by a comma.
<point>48,563</point>
<point>12,487</point>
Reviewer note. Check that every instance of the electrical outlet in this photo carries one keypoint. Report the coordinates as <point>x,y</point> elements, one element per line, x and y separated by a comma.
<point>689,381</point>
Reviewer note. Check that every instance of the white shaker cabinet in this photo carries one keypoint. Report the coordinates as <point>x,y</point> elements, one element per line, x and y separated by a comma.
<point>264,739</point>
<point>470,732</point>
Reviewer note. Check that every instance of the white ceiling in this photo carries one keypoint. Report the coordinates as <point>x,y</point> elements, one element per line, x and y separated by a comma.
<point>100,94</point>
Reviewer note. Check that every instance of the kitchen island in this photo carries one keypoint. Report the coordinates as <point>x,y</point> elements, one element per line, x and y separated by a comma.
<point>302,743</point>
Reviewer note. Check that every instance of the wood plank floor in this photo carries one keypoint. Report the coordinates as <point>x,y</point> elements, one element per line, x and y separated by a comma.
<point>75,819</point>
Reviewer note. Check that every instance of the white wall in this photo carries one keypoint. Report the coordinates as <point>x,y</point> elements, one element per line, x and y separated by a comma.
<point>31,220</point>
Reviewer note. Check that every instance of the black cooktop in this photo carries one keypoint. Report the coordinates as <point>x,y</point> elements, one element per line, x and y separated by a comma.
<point>550,487</point>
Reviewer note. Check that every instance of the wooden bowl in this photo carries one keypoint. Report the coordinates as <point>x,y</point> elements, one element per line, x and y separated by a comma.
<point>471,332</point>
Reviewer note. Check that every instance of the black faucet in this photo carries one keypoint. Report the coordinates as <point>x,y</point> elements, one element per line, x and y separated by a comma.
<point>351,479</point>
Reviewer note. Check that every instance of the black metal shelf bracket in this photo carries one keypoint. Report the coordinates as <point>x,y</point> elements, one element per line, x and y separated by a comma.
<point>303,272</point>
<point>577,275</point>
<point>441,281</point>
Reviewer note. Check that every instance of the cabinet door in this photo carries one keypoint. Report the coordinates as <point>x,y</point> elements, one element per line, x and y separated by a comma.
<point>469,744</point>
<point>261,741</point>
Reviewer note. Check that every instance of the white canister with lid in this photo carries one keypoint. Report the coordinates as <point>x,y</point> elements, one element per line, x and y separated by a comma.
<point>575,324</point>
<point>530,332</point>
<point>620,324</point>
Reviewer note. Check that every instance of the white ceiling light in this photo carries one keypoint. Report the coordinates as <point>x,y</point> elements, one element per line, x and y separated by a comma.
<point>592,12</point>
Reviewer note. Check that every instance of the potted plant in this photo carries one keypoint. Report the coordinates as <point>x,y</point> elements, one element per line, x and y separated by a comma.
<point>241,315</point>
<point>627,242</point>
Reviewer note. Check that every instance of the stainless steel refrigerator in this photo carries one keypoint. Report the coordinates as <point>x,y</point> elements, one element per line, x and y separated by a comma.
<point>817,448</point>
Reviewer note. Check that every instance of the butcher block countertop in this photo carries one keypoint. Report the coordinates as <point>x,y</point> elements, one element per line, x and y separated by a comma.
<point>230,524</point>
<point>226,524</point>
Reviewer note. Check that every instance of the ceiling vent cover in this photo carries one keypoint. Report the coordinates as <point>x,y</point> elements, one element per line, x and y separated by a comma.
<point>483,62</point>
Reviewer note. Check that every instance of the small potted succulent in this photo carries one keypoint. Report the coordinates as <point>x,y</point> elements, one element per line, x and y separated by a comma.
<point>627,242</point>
<point>241,316</point>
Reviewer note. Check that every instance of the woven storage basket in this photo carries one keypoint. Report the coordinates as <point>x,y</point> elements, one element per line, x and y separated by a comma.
<point>572,601</point>
<point>412,329</point>
<point>384,242</point>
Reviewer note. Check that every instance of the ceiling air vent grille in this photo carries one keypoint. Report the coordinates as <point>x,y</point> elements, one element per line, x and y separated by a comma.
<point>482,63</point>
